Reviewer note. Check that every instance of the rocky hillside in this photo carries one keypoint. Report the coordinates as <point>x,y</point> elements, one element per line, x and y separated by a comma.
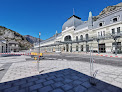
<point>9,34</point>
<point>107,10</point>
<point>32,39</point>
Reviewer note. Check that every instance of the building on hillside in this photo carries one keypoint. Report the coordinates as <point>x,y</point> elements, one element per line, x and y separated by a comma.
<point>8,46</point>
<point>104,35</point>
<point>2,45</point>
<point>14,46</point>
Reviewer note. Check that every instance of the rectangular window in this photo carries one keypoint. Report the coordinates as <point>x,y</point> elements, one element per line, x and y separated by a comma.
<point>76,48</point>
<point>76,38</point>
<point>113,31</point>
<point>81,47</point>
<point>103,33</point>
<point>98,34</point>
<point>87,36</point>
<point>118,30</point>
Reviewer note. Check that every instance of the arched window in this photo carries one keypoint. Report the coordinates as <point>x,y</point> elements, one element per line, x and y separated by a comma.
<point>67,38</point>
<point>81,37</point>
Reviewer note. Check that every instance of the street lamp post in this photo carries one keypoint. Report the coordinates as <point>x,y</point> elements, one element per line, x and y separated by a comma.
<point>39,53</point>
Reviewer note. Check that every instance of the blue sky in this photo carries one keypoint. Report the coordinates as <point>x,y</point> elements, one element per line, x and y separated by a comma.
<point>29,17</point>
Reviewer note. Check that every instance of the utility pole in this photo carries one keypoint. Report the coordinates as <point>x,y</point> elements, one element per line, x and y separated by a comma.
<point>39,53</point>
<point>98,45</point>
<point>115,46</point>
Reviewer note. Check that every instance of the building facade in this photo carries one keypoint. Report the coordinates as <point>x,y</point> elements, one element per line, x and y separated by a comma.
<point>8,46</point>
<point>103,35</point>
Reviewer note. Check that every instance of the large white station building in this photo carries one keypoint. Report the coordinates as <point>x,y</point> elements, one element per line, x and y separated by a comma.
<point>103,34</point>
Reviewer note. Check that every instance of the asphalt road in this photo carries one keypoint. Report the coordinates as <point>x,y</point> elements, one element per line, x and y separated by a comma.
<point>86,58</point>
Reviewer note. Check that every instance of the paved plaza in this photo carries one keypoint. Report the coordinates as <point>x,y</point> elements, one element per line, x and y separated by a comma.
<point>75,72</point>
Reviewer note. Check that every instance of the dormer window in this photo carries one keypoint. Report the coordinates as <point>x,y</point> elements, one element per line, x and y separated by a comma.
<point>114,19</point>
<point>100,24</point>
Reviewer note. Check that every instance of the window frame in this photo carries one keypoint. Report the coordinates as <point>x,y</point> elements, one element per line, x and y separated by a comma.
<point>76,38</point>
<point>81,37</point>
<point>118,30</point>
<point>113,31</point>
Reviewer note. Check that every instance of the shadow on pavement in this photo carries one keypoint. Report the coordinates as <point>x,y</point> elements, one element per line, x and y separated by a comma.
<point>67,80</point>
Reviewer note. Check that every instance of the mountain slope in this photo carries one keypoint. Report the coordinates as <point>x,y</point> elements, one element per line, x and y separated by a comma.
<point>32,39</point>
<point>9,35</point>
<point>107,10</point>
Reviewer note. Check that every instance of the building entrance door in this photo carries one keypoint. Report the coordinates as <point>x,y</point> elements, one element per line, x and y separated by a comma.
<point>67,47</point>
<point>102,48</point>
<point>87,48</point>
<point>70,48</point>
<point>118,47</point>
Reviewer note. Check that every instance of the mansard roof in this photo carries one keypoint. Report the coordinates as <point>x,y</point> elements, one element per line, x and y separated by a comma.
<point>72,21</point>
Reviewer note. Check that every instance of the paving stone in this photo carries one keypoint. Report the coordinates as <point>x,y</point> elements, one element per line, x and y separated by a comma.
<point>92,89</point>
<point>34,91</point>
<point>12,82</point>
<point>101,85</point>
<point>27,84</point>
<point>32,79</point>
<point>5,86</point>
<point>76,82</point>
<point>15,88</point>
<point>67,87</point>
<point>73,82</point>
<point>51,77</point>
<point>83,79</point>
<point>114,89</point>
<point>44,76</point>
<point>22,90</point>
<point>74,77</point>
<point>45,89</point>
<point>106,90</point>
<point>67,81</point>
<point>86,84</point>
<point>20,82</point>
<point>1,84</point>
<point>59,75</point>
<point>70,90</point>
<point>80,75</point>
<point>57,90</point>
<point>67,76</point>
<point>48,82</point>
<point>37,86</point>
<point>51,74</point>
<point>66,73</point>
<point>58,84</point>
<point>58,79</point>
<point>40,81</point>
<point>79,89</point>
